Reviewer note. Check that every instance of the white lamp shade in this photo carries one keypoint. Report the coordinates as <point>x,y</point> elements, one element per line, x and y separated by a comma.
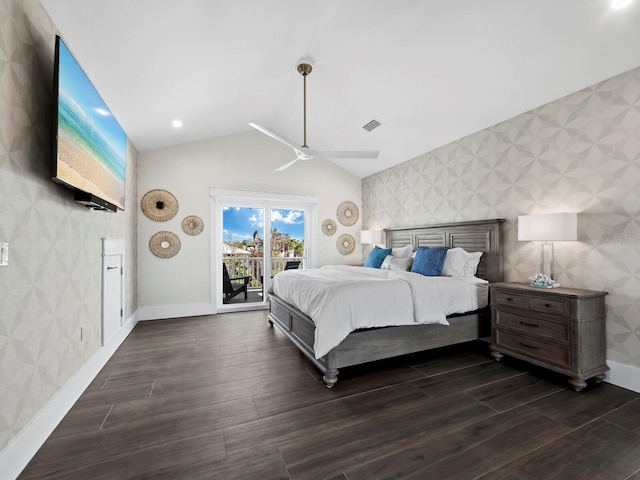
<point>548,227</point>
<point>371,237</point>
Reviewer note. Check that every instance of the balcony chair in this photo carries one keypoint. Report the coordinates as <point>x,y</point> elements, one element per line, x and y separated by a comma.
<point>292,265</point>
<point>231,287</point>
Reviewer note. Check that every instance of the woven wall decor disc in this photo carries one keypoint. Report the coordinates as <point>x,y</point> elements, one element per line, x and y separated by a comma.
<point>192,225</point>
<point>329,227</point>
<point>164,244</point>
<point>345,244</point>
<point>159,205</point>
<point>347,213</point>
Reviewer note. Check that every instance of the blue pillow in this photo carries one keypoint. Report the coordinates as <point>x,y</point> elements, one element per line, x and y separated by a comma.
<point>429,261</point>
<point>376,256</point>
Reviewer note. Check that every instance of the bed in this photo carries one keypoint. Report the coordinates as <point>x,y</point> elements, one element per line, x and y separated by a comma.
<point>371,344</point>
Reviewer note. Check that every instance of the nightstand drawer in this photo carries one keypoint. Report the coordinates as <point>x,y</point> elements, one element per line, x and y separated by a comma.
<point>532,347</point>
<point>534,326</point>
<point>511,299</point>
<point>551,306</point>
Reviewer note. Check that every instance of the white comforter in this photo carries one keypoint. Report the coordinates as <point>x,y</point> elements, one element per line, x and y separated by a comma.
<point>341,299</point>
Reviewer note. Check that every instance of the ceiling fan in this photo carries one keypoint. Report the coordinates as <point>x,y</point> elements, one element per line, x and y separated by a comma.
<point>303,152</point>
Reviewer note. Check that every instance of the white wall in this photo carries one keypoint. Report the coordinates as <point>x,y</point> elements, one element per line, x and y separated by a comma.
<point>241,161</point>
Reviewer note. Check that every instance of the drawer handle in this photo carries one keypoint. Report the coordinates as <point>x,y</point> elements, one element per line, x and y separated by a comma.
<point>529,346</point>
<point>547,305</point>
<point>526,324</point>
<point>509,299</point>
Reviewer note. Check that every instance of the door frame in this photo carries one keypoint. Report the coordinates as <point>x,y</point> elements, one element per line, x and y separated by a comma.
<point>267,201</point>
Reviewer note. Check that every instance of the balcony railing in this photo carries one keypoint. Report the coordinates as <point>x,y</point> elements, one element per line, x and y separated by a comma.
<point>254,267</point>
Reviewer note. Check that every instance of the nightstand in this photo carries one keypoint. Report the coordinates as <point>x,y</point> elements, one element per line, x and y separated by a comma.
<point>562,329</point>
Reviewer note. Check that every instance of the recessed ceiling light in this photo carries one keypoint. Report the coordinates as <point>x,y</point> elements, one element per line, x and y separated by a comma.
<point>618,4</point>
<point>176,123</point>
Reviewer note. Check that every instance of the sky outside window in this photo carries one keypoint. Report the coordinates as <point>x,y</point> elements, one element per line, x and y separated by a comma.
<point>239,223</point>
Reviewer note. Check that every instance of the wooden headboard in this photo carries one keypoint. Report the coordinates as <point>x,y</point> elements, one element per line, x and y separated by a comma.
<point>475,236</point>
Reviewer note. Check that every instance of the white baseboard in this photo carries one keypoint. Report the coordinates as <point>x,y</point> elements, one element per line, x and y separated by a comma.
<point>625,376</point>
<point>175,311</point>
<point>15,456</point>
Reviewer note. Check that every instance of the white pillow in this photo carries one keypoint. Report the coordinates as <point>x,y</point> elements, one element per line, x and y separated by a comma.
<point>471,267</point>
<point>393,263</point>
<point>401,264</point>
<point>460,263</point>
<point>386,263</point>
<point>402,252</point>
<point>454,262</point>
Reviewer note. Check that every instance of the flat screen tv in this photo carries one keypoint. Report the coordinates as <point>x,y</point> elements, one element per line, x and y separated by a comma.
<point>90,146</point>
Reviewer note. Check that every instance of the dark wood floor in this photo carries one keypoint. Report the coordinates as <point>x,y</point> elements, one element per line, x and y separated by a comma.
<point>227,397</point>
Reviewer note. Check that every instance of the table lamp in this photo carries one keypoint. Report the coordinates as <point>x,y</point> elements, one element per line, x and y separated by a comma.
<point>371,237</point>
<point>547,228</point>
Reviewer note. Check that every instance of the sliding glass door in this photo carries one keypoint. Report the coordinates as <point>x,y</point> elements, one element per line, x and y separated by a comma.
<point>255,239</point>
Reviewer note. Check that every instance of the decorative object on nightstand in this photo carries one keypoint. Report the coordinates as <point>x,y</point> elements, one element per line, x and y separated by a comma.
<point>329,227</point>
<point>541,280</point>
<point>562,329</point>
<point>371,237</point>
<point>547,228</point>
<point>345,244</point>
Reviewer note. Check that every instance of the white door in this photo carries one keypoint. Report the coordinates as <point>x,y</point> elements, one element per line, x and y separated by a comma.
<point>112,287</point>
<point>278,210</point>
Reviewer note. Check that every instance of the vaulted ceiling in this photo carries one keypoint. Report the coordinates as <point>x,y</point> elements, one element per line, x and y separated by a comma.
<point>430,71</point>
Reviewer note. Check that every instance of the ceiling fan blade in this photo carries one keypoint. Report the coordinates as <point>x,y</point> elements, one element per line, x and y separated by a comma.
<point>277,137</point>
<point>348,154</point>
<point>286,165</point>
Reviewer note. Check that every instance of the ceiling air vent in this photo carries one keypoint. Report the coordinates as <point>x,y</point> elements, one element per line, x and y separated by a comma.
<point>371,125</point>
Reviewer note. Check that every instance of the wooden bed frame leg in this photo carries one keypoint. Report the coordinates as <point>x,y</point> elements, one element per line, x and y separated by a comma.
<point>330,378</point>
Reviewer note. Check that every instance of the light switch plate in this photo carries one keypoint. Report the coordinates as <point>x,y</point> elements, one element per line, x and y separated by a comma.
<point>4,254</point>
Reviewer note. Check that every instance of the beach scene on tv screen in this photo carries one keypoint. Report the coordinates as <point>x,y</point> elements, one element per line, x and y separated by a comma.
<point>91,143</point>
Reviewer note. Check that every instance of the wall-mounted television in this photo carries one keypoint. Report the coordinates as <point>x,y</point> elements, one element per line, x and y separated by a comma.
<point>90,146</point>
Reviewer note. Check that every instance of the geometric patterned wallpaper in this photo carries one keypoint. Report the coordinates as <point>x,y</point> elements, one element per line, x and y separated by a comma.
<point>580,154</point>
<point>51,287</point>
